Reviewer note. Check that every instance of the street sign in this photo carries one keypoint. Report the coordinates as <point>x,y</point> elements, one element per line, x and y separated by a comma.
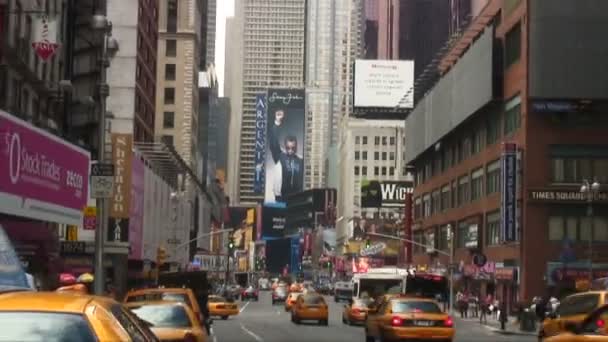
<point>102,180</point>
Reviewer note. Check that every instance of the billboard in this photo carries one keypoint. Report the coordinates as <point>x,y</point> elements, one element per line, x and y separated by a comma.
<point>284,144</point>
<point>273,221</point>
<point>384,83</point>
<point>260,144</point>
<point>377,194</point>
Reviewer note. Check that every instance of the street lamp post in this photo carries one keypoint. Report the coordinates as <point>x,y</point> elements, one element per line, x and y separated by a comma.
<point>590,190</point>
<point>450,266</point>
<point>100,23</point>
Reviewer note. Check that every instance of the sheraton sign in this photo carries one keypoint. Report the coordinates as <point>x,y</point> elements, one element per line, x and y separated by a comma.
<point>546,195</point>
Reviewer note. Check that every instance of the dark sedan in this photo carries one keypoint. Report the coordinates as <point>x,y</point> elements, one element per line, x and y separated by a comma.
<point>279,295</point>
<point>250,293</point>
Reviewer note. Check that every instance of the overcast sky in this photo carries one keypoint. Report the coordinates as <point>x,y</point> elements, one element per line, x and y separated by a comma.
<point>225,8</point>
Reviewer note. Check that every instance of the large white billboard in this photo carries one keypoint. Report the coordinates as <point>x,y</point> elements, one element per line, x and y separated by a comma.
<point>384,83</point>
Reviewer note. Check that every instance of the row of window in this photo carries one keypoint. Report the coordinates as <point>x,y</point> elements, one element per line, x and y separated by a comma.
<point>485,134</point>
<point>465,236</point>
<point>467,188</point>
<point>575,170</point>
<point>362,155</point>
<point>384,141</point>
<point>377,171</point>
<point>578,228</point>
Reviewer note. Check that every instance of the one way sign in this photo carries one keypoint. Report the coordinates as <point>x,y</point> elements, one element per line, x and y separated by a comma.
<point>102,180</point>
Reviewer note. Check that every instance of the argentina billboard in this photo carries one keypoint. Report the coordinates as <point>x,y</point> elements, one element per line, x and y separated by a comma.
<point>285,124</point>
<point>260,144</point>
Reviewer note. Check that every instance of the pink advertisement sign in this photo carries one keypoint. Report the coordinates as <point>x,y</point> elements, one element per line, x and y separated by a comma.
<point>136,209</point>
<point>41,176</point>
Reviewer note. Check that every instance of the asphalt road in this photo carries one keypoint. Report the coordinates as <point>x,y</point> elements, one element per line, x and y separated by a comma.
<point>262,322</point>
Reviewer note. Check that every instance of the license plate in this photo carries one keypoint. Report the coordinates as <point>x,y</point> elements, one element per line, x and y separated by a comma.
<point>424,323</point>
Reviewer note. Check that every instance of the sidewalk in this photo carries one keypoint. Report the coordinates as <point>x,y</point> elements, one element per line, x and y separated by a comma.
<point>511,327</point>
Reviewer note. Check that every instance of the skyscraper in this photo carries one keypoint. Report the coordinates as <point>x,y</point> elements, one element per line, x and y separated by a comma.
<point>211,27</point>
<point>332,43</point>
<point>271,35</point>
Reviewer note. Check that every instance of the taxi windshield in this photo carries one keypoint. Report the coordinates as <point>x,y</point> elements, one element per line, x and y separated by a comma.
<point>44,326</point>
<point>217,300</point>
<point>163,316</point>
<point>162,296</point>
<point>313,300</point>
<point>414,306</point>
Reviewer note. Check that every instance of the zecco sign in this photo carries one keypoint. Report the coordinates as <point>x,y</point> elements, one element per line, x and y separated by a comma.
<point>373,250</point>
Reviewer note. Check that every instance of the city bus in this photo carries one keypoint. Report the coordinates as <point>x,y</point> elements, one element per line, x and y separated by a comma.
<point>393,280</point>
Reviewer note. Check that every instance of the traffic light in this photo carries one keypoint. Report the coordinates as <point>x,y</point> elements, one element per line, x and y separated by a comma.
<point>231,243</point>
<point>161,256</point>
<point>367,243</point>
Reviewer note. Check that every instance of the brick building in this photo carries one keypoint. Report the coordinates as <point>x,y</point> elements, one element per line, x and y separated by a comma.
<point>520,74</point>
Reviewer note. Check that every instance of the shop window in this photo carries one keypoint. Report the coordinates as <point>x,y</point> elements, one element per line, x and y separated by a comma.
<point>169,95</point>
<point>172,11</point>
<point>462,234</point>
<point>512,115</point>
<point>493,228</point>
<point>417,208</point>
<point>493,177</point>
<point>168,120</point>
<point>477,184</point>
<point>169,72</point>
<point>443,242</point>
<point>426,204</point>
<point>463,190</point>
<point>493,128</point>
<point>445,198</point>
<point>575,170</point>
<point>513,46</point>
<point>436,198</point>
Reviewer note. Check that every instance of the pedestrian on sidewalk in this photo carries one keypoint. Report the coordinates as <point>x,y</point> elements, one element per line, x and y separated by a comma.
<point>483,314</point>
<point>502,316</point>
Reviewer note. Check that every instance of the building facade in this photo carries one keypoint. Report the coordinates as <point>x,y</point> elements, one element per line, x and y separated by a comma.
<point>180,51</point>
<point>211,27</point>
<point>372,150</point>
<point>327,79</point>
<point>132,73</point>
<point>503,177</point>
<point>273,38</point>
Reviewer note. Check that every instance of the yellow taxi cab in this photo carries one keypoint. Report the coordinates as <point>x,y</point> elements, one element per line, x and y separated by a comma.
<point>182,295</point>
<point>355,312</point>
<point>572,310</point>
<point>310,307</point>
<point>594,328</point>
<point>291,300</point>
<point>219,306</point>
<point>169,321</point>
<point>36,316</point>
<point>405,318</point>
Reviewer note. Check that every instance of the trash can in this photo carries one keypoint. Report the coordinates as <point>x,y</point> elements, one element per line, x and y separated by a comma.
<point>528,321</point>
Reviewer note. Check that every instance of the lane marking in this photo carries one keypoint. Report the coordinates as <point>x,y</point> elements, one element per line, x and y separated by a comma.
<point>244,306</point>
<point>212,333</point>
<point>252,334</point>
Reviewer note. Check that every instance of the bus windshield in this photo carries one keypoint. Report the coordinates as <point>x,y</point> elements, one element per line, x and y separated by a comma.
<point>372,288</point>
<point>427,285</point>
